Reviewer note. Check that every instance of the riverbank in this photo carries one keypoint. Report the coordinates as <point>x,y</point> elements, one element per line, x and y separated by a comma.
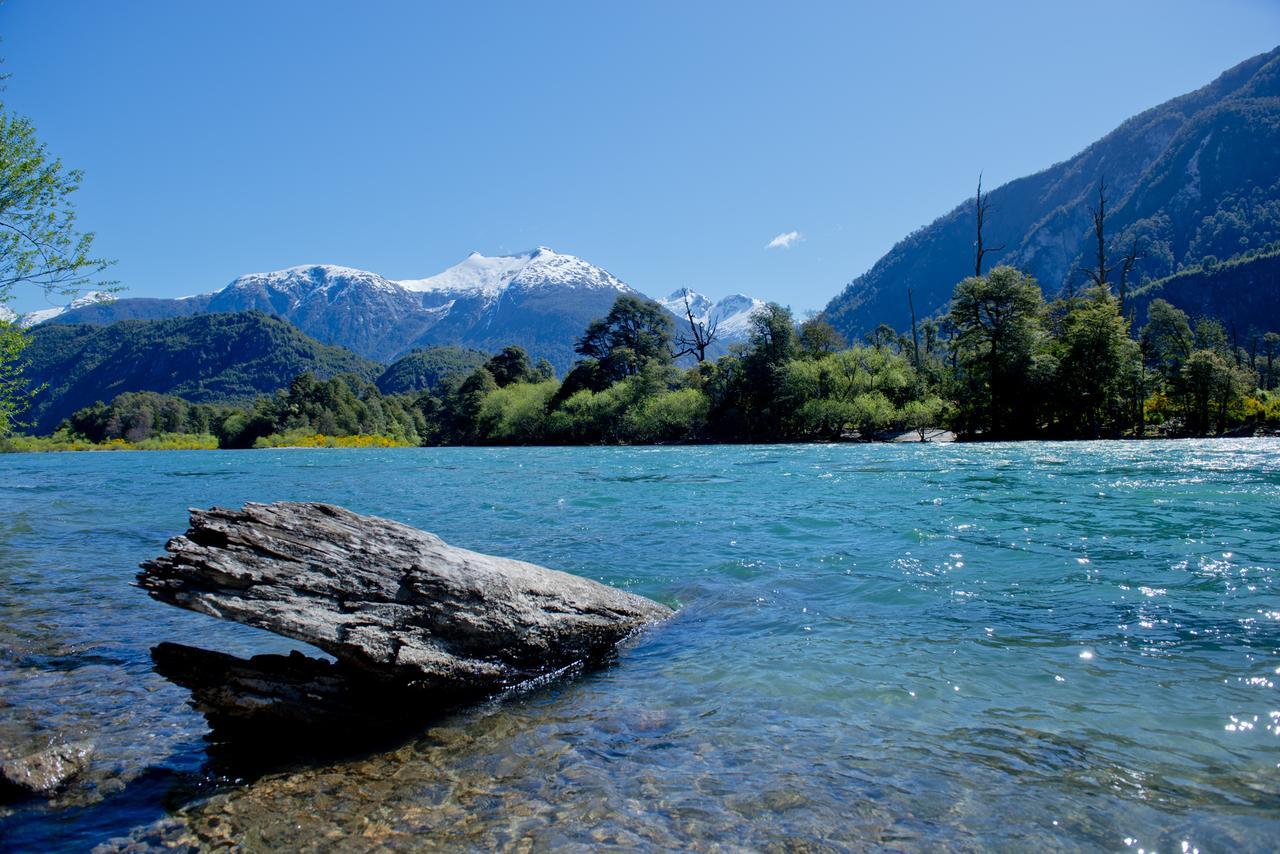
<point>933,435</point>
<point>63,442</point>
<point>191,442</point>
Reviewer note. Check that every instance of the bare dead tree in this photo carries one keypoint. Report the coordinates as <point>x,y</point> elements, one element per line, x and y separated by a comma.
<point>1131,257</point>
<point>915,334</point>
<point>1098,213</point>
<point>980,208</point>
<point>700,335</point>
<point>1271,347</point>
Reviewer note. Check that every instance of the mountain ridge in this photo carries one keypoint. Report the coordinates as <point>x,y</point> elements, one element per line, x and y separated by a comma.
<point>541,300</point>
<point>1208,155</point>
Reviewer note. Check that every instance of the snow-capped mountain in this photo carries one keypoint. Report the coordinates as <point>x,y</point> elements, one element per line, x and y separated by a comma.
<point>731,316</point>
<point>541,268</point>
<point>540,300</point>
<point>306,282</point>
<point>357,309</point>
<point>31,318</point>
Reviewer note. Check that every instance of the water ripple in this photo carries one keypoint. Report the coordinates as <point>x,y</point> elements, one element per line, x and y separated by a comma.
<point>1068,646</point>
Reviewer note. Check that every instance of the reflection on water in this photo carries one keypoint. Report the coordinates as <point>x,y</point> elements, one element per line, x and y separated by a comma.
<point>1072,646</point>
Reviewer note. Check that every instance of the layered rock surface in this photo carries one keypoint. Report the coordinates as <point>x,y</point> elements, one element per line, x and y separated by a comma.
<point>398,608</point>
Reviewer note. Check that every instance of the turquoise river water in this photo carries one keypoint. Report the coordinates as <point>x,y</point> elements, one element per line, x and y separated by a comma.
<point>878,647</point>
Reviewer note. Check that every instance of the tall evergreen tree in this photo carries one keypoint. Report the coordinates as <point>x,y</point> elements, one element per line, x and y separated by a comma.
<point>998,326</point>
<point>633,333</point>
<point>1097,367</point>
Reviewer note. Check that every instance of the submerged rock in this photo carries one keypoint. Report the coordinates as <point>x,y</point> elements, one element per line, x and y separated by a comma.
<point>397,607</point>
<point>46,771</point>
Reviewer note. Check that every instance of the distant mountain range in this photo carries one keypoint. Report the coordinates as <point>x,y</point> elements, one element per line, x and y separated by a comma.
<point>540,300</point>
<point>1194,181</point>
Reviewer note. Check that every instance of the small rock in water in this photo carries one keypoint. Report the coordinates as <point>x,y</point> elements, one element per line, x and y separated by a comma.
<point>46,771</point>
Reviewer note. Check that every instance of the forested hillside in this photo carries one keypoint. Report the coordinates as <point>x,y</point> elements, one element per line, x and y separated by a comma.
<point>1244,294</point>
<point>427,370</point>
<point>206,358</point>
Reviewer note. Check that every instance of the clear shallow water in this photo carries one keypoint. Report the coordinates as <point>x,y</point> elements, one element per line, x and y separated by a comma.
<point>960,647</point>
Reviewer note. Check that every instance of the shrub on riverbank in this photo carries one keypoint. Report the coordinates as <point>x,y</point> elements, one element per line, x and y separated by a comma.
<point>302,439</point>
<point>66,441</point>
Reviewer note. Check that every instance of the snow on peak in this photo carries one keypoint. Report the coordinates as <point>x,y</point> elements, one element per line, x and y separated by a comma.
<point>7,315</point>
<point>735,303</point>
<point>308,278</point>
<point>489,276</point>
<point>731,315</point>
<point>34,318</point>
<point>476,274</point>
<point>548,268</point>
<point>700,305</point>
<point>91,298</point>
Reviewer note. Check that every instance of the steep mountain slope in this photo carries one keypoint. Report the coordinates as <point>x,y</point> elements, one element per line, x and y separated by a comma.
<point>1195,177</point>
<point>209,358</point>
<point>540,300</point>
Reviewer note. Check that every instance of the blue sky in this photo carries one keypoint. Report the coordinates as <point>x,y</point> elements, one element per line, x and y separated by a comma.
<point>671,143</point>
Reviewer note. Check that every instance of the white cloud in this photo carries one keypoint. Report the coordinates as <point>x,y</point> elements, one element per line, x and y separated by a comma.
<point>785,240</point>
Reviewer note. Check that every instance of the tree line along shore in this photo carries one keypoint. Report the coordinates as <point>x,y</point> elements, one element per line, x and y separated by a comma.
<point>1003,364</point>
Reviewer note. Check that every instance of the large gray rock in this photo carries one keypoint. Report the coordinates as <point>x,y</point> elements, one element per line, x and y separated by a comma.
<point>391,602</point>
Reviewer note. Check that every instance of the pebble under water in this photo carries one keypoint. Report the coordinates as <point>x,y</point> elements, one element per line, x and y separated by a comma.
<point>906,647</point>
